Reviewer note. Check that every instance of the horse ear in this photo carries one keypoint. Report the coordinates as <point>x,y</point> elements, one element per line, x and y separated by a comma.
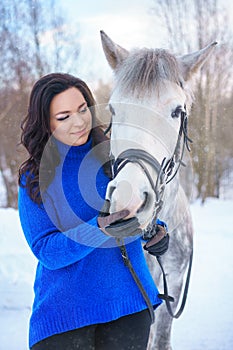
<point>192,62</point>
<point>114,53</point>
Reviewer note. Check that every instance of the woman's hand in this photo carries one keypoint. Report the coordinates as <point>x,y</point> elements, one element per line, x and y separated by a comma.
<point>114,224</point>
<point>158,244</point>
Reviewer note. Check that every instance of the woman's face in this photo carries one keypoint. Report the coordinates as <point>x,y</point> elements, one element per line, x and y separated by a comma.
<point>70,118</point>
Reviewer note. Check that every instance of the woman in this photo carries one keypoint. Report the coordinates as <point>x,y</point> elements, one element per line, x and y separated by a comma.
<point>85,297</point>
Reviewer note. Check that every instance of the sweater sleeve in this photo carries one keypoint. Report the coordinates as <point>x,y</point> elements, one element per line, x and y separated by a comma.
<point>53,248</point>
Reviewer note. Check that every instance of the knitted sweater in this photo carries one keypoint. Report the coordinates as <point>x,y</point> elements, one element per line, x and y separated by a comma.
<point>80,278</point>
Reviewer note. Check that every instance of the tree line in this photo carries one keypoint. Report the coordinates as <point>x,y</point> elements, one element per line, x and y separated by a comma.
<point>190,26</point>
<point>35,40</point>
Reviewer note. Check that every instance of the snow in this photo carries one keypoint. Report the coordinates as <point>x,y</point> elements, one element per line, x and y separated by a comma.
<point>208,317</point>
<point>3,193</point>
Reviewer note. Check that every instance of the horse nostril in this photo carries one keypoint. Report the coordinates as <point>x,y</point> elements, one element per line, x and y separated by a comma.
<point>110,191</point>
<point>144,203</point>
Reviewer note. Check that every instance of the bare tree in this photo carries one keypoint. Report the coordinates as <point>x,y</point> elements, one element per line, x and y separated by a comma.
<point>102,95</point>
<point>190,26</point>
<point>25,55</point>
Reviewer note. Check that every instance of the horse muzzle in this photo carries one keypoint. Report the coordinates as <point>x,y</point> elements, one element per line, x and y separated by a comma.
<point>135,198</point>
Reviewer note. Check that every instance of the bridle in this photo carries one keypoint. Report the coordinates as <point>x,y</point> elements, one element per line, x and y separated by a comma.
<point>166,171</point>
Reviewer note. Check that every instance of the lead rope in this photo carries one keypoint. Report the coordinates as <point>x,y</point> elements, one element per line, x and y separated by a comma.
<point>165,296</point>
<point>127,263</point>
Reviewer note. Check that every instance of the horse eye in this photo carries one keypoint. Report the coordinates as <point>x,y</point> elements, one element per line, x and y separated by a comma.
<point>177,112</point>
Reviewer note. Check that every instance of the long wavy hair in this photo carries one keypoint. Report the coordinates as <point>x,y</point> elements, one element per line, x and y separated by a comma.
<point>36,133</point>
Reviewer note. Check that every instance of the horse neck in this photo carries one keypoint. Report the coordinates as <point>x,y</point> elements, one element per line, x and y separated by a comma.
<point>176,206</point>
<point>170,199</point>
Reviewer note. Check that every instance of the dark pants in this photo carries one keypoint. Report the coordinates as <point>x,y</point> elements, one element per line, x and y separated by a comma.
<point>127,333</point>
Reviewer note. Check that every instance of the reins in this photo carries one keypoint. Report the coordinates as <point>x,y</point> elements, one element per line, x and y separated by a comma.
<point>166,173</point>
<point>128,263</point>
<point>165,296</point>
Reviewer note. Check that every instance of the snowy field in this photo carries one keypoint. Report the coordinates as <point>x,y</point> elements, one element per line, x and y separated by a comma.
<point>207,321</point>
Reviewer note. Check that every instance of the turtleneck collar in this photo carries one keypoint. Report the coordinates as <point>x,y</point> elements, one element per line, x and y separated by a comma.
<point>73,152</point>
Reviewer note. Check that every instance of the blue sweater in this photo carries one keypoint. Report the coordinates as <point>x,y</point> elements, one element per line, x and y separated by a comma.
<point>81,278</point>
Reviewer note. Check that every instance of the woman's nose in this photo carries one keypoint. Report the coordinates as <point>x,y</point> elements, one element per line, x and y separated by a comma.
<point>77,119</point>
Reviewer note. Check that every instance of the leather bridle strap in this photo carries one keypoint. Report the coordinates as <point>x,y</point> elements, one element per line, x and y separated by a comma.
<point>166,173</point>
<point>165,296</point>
<point>139,156</point>
<point>127,263</point>
<point>135,155</point>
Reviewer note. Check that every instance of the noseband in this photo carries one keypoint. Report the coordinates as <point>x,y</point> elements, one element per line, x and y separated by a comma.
<point>166,170</point>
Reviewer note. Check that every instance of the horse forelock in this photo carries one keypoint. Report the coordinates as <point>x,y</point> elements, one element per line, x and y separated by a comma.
<point>147,69</point>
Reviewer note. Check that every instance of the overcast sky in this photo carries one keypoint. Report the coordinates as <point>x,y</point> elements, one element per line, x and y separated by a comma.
<point>128,22</point>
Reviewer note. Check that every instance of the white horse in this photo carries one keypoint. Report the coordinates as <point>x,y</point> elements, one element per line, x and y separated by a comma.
<point>149,104</point>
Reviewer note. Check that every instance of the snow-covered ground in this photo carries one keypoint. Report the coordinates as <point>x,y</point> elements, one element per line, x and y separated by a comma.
<point>207,321</point>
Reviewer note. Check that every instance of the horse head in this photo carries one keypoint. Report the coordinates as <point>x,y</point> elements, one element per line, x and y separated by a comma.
<point>149,106</point>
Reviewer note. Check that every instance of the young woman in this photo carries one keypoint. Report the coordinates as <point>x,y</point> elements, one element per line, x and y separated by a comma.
<point>85,296</point>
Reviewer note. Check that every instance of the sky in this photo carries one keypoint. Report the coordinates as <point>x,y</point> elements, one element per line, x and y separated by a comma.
<point>129,23</point>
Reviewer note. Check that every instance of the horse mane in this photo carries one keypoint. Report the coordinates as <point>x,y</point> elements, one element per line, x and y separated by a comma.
<point>147,69</point>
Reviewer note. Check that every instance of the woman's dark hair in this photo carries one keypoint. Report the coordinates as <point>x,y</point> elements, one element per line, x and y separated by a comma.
<point>36,132</point>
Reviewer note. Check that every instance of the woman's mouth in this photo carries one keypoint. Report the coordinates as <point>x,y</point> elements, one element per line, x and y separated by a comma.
<point>79,133</point>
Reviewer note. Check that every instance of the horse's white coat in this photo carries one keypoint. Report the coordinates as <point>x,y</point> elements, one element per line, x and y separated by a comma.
<point>137,125</point>
<point>142,120</point>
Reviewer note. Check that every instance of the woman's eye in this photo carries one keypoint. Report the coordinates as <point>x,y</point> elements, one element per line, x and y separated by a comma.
<point>63,118</point>
<point>83,110</point>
